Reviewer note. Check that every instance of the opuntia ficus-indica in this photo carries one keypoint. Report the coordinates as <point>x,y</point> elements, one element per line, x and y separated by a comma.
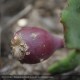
<point>32,45</point>
<point>70,18</point>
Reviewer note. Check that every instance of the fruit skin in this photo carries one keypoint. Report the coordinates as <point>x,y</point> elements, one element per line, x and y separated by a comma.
<point>32,45</point>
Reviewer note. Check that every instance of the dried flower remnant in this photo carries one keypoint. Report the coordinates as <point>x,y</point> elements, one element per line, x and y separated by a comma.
<point>19,48</point>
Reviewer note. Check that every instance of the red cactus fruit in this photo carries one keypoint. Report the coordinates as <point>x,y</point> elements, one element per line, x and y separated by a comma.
<point>32,45</point>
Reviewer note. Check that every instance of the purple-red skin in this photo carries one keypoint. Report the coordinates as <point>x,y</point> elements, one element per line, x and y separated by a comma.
<point>41,45</point>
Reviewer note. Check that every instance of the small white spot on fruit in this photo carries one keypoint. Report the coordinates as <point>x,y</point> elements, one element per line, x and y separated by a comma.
<point>43,45</point>
<point>15,37</point>
<point>41,60</point>
<point>26,47</point>
<point>27,53</point>
<point>34,35</point>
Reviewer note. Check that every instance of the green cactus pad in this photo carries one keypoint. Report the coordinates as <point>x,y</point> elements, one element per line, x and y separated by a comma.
<point>70,62</point>
<point>70,18</point>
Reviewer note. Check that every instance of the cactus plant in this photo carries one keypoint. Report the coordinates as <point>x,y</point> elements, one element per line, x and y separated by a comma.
<point>70,18</point>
